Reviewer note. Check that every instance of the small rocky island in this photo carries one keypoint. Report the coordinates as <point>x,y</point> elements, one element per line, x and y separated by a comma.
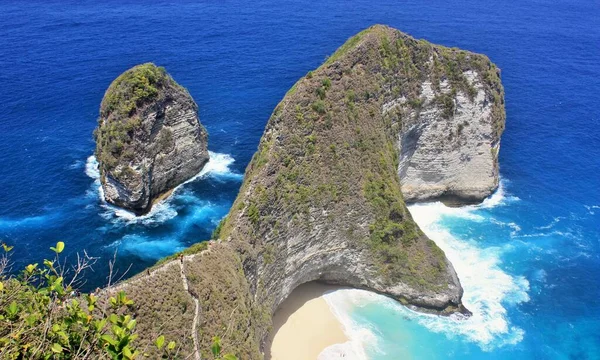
<point>149,138</point>
<point>385,119</point>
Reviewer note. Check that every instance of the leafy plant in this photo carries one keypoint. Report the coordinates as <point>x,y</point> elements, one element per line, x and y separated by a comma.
<point>43,316</point>
<point>216,349</point>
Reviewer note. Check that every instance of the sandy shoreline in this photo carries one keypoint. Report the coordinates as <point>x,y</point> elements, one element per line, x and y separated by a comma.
<point>304,325</point>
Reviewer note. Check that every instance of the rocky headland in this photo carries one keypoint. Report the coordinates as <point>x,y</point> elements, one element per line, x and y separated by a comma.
<point>322,198</point>
<point>149,138</point>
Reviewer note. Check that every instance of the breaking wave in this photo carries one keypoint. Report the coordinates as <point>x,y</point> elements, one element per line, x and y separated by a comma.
<point>487,288</point>
<point>217,167</point>
<point>498,198</point>
<point>360,335</point>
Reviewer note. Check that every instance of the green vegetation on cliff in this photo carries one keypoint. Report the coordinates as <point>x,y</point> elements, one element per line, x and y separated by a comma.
<point>43,316</point>
<point>119,117</point>
<point>132,89</point>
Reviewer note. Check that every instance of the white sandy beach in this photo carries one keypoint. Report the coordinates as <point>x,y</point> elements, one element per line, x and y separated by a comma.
<point>304,325</point>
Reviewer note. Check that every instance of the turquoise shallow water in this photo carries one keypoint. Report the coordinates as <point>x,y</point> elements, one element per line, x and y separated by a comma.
<point>528,258</point>
<point>512,271</point>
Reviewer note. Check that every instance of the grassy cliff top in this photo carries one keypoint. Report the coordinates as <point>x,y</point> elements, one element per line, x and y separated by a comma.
<point>132,89</point>
<point>121,112</point>
<point>414,61</point>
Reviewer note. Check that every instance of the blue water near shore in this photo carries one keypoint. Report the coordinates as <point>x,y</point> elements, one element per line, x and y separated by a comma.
<point>528,257</point>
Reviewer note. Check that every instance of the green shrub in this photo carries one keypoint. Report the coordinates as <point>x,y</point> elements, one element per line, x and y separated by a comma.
<point>446,101</point>
<point>321,92</point>
<point>416,103</point>
<point>351,96</point>
<point>319,107</point>
<point>253,214</point>
<point>217,232</point>
<point>215,350</point>
<point>127,172</point>
<point>43,316</point>
<point>299,113</point>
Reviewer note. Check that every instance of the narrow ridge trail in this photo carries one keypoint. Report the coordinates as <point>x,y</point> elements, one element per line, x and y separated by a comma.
<point>196,312</point>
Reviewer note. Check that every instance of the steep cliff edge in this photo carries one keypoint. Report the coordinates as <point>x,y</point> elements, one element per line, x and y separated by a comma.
<point>149,138</point>
<point>322,198</point>
<point>451,120</point>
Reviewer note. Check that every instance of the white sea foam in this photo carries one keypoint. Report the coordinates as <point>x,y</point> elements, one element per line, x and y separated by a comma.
<point>591,208</point>
<point>552,224</point>
<point>91,168</point>
<point>146,247</point>
<point>487,288</point>
<point>499,197</point>
<point>515,228</point>
<point>218,167</point>
<point>341,302</point>
<point>160,212</point>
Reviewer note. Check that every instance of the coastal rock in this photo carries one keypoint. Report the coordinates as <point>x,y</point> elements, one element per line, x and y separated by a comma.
<point>322,197</point>
<point>149,138</point>
<point>449,138</point>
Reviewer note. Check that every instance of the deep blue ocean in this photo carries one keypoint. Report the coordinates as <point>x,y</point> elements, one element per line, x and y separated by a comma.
<point>528,257</point>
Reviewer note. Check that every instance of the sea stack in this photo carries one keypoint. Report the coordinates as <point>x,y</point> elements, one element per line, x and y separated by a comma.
<point>149,138</point>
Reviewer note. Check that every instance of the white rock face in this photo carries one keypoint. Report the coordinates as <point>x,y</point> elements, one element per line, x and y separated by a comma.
<point>453,157</point>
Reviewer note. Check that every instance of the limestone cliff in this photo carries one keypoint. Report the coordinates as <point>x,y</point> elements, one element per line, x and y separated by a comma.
<point>149,138</point>
<point>322,199</point>
<point>450,128</point>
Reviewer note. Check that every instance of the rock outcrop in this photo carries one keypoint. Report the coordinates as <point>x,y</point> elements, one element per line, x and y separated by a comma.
<point>322,197</point>
<point>149,138</point>
<point>450,134</point>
